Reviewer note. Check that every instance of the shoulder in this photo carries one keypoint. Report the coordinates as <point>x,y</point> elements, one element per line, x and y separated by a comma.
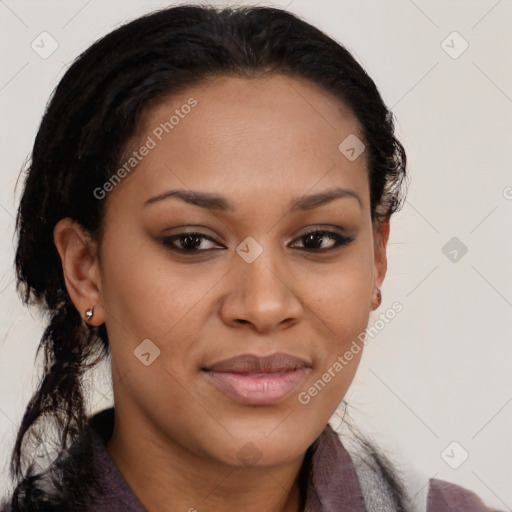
<point>43,492</point>
<point>383,477</point>
<point>447,497</point>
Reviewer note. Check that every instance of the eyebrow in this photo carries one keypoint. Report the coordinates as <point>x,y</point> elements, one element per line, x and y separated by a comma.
<point>220,203</point>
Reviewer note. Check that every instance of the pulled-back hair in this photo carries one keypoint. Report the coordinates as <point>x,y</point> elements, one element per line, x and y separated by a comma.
<point>92,116</point>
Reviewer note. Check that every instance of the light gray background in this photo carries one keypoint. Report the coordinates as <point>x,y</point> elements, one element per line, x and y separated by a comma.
<point>440,371</point>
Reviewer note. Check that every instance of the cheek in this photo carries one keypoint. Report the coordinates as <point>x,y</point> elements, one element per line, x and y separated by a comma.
<point>147,296</point>
<point>148,292</point>
<point>341,307</point>
<point>341,295</point>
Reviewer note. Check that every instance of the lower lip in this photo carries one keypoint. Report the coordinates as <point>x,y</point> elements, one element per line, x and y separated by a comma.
<point>258,389</point>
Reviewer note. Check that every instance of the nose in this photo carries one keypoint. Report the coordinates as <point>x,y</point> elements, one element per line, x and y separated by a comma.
<point>262,296</point>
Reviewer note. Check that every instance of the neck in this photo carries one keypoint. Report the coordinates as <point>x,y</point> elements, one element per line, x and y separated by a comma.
<point>167,477</point>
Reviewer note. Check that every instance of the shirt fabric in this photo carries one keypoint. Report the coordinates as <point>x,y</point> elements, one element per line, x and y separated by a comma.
<point>334,487</point>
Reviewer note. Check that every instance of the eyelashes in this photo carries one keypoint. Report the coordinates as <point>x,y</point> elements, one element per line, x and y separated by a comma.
<point>192,242</point>
<point>314,236</point>
<point>190,239</point>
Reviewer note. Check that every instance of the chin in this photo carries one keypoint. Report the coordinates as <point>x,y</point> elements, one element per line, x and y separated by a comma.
<point>253,451</point>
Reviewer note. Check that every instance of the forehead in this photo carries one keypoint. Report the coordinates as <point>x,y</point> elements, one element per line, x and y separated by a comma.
<point>250,138</point>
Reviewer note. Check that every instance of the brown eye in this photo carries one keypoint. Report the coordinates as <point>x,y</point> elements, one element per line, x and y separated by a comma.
<point>189,242</point>
<point>313,240</point>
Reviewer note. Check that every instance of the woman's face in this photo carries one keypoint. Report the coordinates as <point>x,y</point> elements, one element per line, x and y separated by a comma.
<point>249,281</point>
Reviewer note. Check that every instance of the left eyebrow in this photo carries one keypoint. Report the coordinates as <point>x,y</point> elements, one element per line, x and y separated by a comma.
<point>315,200</point>
<point>217,202</point>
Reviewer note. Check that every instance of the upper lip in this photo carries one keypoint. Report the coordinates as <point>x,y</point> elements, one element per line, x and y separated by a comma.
<point>248,363</point>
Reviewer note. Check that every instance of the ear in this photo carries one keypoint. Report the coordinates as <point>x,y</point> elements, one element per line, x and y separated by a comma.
<point>80,266</point>
<point>381,236</point>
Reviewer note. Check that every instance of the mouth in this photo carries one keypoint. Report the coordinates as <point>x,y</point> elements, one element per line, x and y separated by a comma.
<point>258,380</point>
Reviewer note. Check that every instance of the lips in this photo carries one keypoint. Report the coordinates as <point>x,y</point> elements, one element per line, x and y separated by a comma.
<point>258,380</point>
<point>248,363</point>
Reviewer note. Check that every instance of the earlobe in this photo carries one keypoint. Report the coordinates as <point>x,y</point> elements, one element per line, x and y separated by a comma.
<point>381,237</point>
<point>77,253</point>
<point>376,298</point>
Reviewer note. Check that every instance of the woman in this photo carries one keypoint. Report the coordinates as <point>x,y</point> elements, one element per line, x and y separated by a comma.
<point>208,205</point>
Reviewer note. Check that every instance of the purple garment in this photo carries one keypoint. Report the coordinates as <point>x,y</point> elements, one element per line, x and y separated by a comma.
<point>334,486</point>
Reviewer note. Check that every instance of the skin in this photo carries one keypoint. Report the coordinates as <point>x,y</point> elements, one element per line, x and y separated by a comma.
<point>260,143</point>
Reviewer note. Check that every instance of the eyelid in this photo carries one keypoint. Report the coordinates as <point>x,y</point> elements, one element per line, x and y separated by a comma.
<point>332,228</point>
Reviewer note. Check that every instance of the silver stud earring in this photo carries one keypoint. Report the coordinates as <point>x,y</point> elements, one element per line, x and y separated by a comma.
<point>89,313</point>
